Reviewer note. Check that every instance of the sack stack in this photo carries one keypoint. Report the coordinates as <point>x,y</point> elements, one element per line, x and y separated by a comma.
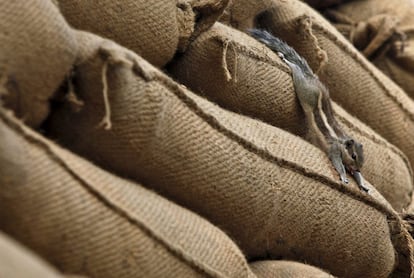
<point>163,143</point>
<point>383,32</point>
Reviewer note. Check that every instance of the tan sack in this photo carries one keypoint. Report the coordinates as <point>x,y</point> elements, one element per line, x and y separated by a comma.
<point>37,51</point>
<point>268,189</point>
<point>87,221</point>
<point>154,29</point>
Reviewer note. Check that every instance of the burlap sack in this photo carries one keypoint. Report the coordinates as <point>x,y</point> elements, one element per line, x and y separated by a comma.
<point>37,51</point>
<point>18,262</point>
<point>154,29</point>
<point>236,171</point>
<point>240,74</point>
<point>354,83</point>
<point>383,31</point>
<point>87,221</point>
<point>286,269</point>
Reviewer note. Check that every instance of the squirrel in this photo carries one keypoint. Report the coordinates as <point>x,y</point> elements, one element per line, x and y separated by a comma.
<point>345,153</point>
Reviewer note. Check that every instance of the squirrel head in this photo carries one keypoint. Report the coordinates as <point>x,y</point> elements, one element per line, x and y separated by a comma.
<point>352,155</point>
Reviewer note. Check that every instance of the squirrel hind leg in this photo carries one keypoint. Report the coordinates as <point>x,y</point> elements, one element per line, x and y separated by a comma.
<point>360,181</point>
<point>335,157</point>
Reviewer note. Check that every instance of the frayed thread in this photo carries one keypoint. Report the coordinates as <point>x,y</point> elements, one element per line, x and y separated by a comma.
<point>321,55</point>
<point>106,122</point>
<point>112,57</point>
<point>227,72</point>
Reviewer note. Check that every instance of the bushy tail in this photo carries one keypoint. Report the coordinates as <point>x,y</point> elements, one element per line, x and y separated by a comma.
<point>278,45</point>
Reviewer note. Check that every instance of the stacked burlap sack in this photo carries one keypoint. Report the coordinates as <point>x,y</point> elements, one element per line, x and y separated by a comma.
<point>383,31</point>
<point>184,155</point>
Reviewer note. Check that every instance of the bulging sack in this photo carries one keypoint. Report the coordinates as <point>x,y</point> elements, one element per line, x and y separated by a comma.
<point>353,82</point>
<point>240,74</point>
<point>383,32</point>
<point>234,170</point>
<point>286,269</point>
<point>87,221</point>
<point>154,29</point>
<point>37,51</point>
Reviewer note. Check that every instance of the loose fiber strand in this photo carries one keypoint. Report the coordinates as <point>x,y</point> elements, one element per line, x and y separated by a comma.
<point>106,121</point>
<point>235,63</point>
<point>321,54</point>
<point>224,60</point>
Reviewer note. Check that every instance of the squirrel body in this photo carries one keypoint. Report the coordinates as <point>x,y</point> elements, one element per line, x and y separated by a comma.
<point>345,153</point>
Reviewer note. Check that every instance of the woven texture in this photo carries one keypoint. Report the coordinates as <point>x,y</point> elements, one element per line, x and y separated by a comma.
<point>244,172</point>
<point>87,221</point>
<point>237,72</point>
<point>353,82</point>
<point>287,269</point>
<point>379,30</point>
<point>18,262</point>
<point>37,51</point>
<point>154,29</point>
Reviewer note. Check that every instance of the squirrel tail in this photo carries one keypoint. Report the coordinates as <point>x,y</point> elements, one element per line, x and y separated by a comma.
<point>278,45</point>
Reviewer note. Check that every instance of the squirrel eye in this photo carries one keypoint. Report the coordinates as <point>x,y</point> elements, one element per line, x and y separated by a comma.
<point>349,143</point>
<point>353,156</point>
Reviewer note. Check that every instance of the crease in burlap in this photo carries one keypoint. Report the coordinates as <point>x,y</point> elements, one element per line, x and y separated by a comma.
<point>155,136</point>
<point>99,220</point>
<point>264,90</point>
